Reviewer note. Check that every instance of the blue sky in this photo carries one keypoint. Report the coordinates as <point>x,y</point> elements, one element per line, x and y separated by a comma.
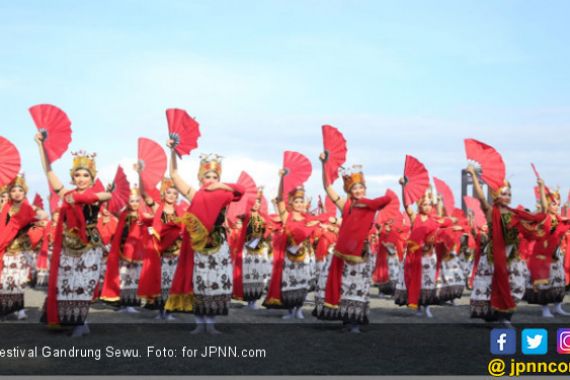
<point>396,78</point>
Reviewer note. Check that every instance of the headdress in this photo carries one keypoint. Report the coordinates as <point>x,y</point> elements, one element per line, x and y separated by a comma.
<point>298,192</point>
<point>83,160</point>
<point>210,162</point>
<point>496,193</point>
<point>135,192</point>
<point>18,181</point>
<point>427,197</point>
<point>351,176</point>
<point>166,184</point>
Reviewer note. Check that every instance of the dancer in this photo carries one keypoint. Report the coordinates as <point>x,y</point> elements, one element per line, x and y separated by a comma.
<point>107,226</point>
<point>124,262</point>
<point>547,277</point>
<point>501,274</point>
<point>76,257</point>
<point>203,278</point>
<point>351,265</point>
<point>16,218</point>
<point>416,286</point>
<point>390,252</point>
<point>292,249</point>
<point>169,233</point>
<point>252,255</point>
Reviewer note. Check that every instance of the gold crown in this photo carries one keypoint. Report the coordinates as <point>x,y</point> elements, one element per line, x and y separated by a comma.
<point>495,193</point>
<point>427,197</point>
<point>298,192</point>
<point>259,192</point>
<point>18,181</point>
<point>210,163</point>
<point>166,184</point>
<point>3,189</point>
<point>352,176</point>
<point>135,192</point>
<point>83,160</point>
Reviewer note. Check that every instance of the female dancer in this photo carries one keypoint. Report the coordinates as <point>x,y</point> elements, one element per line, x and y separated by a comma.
<point>203,278</point>
<point>76,256</point>
<point>252,255</point>
<point>416,286</point>
<point>124,262</point>
<point>545,264</point>
<point>390,252</point>
<point>169,240</point>
<point>501,274</point>
<point>351,265</point>
<point>16,217</point>
<point>291,275</point>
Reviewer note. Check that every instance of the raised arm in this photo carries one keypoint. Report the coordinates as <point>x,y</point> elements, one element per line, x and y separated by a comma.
<point>147,198</point>
<point>183,188</point>
<point>408,208</point>
<point>543,201</point>
<point>485,206</point>
<point>281,208</point>
<point>53,181</point>
<point>331,193</point>
<point>440,206</point>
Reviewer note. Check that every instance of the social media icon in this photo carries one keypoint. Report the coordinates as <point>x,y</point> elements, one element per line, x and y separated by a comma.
<point>563,341</point>
<point>534,341</point>
<point>503,341</point>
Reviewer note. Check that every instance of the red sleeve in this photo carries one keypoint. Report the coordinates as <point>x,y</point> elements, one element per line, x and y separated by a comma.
<point>238,191</point>
<point>87,197</point>
<point>21,219</point>
<point>377,203</point>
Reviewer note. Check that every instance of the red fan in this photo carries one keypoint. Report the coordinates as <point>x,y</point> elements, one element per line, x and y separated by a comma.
<point>38,202</point>
<point>297,170</point>
<point>10,162</point>
<point>391,211</point>
<point>154,193</point>
<point>491,162</point>
<point>183,129</point>
<point>152,160</point>
<point>329,207</point>
<point>120,191</point>
<point>240,208</point>
<point>458,214</point>
<point>416,178</point>
<point>446,193</point>
<point>335,150</point>
<point>55,127</point>
<point>475,207</point>
<point>98,186</point>
<point>53,201</point>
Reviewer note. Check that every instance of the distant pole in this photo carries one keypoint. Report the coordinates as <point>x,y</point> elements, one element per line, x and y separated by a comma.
<point>468,189</point>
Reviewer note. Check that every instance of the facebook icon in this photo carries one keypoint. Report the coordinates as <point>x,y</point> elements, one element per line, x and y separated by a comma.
<point>503,341</point>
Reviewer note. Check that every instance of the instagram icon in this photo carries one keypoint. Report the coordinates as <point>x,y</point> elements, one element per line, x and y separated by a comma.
<point>563,341</point>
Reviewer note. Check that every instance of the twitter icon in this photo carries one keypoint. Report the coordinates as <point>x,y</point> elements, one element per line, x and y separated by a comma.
<point>534,341</point>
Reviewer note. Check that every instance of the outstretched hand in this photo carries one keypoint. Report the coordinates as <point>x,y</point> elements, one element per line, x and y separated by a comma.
<point>39,138</point>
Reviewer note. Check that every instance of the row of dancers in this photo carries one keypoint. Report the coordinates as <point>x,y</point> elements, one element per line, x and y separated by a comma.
<point>191,257</point>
